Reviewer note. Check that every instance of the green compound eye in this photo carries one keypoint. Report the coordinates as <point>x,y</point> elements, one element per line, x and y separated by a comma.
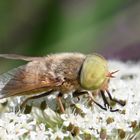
<point>93,72</point>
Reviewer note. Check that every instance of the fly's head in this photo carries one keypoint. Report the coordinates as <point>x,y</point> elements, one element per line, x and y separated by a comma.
<point>94,73</point>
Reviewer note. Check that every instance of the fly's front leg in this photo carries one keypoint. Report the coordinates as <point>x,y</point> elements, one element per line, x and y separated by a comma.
<point>120,102</point>
<point>99,105</point>
<point>106,103</point>
<point>78,93</point>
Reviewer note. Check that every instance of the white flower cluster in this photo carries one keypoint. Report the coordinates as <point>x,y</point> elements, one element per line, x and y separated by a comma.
<point>82,121</point>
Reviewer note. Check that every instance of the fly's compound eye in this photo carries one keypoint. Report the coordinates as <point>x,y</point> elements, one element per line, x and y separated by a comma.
<point>93,72</point>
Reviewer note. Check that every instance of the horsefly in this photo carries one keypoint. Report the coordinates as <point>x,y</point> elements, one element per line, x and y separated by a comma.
<point>63,72</point>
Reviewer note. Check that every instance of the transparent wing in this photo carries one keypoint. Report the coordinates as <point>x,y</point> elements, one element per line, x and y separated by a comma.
<point>19,57</point>
<point>25,81</point>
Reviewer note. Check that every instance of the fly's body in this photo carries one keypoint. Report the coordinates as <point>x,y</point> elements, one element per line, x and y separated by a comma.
<point>64,72</point>
<point>66,68</point>
<point>59,72</point>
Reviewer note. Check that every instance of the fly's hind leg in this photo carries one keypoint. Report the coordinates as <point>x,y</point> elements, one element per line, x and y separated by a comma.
<point>24,103</point>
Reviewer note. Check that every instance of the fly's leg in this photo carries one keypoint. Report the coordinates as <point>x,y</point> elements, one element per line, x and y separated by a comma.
<point>120,102</point>
<point>99,105</point>
<point>23,105</point>
<point>106,103</point>
<point>78,93</point>
<point>60,102</point>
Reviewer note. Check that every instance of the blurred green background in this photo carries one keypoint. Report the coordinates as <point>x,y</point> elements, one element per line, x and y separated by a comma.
<point>40,27</point>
